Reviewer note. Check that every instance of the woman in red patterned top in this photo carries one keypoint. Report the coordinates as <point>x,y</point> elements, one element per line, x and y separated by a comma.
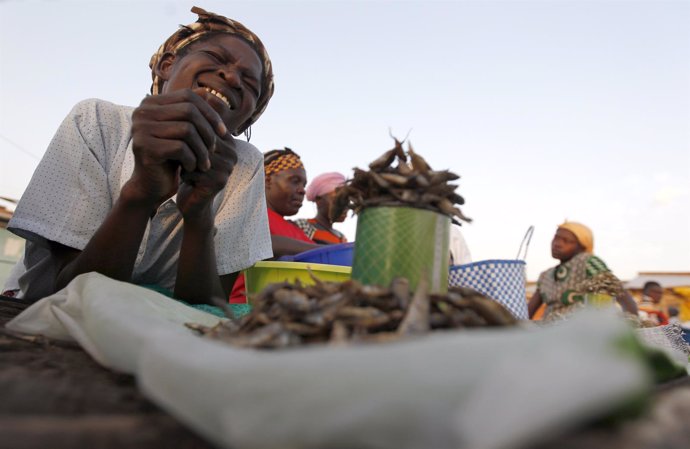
<point>285,182</point>
<point>320,228</point>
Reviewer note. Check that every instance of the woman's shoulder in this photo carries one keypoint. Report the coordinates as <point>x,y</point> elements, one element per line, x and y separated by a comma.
<point>546,274</point>
<point>305,225</point>
<point>594,265</point>
<point>247,153</point>
<point>101,108</point>
<point>95,113</point>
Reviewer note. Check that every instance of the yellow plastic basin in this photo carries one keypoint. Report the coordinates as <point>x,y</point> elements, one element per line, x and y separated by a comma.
<point>270,272</point>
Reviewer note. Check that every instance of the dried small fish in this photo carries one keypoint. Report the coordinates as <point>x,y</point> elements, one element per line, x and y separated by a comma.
<point>348,312</point>
<point>438,177</point>
<point>339,334</point>
<point>603,283</point>
<point>400,288</point>
<point>384,161</point>
<point>416,320</point>
<point>418,162</point>
<point>404,169</point>
<point>292,299</point>
<point>412,184</point>
<point>395,179</point>
<point>446,206</point>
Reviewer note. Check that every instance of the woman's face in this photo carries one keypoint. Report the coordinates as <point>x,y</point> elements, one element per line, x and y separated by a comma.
<point>325,202</point>
<point>285,191</point>
<point>565,245</point>
<point>225,69</point>
<point>655,292</point>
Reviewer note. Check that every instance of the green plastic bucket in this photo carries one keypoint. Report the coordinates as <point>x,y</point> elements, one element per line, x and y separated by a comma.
<point>402,241</point>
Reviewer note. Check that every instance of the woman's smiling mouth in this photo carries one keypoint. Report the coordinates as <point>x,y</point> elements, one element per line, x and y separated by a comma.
<point>222,97</point>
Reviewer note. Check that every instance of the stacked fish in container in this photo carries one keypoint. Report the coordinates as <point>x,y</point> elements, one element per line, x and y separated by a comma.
<point>398,178</point>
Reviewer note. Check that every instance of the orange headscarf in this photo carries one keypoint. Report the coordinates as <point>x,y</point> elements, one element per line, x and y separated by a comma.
<point>582,233</point>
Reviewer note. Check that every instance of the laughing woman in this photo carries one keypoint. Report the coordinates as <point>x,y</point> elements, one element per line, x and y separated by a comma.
<point>163,194</point>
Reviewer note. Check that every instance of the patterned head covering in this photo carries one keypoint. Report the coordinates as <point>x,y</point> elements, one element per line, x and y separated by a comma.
<point>209,22</point>
<point>323,184</point>
<point>582,233</point>
<point>276,161</point>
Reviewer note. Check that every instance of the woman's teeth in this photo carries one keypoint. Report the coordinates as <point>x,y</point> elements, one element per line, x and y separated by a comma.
<point>219,95</point>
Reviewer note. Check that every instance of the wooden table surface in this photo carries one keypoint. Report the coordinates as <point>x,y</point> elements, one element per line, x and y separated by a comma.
<point>53,395</point>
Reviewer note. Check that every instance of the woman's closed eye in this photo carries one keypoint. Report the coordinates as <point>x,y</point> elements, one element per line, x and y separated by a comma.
<point>296,180</point>
<point>252,84</point>
<point>216,56</point>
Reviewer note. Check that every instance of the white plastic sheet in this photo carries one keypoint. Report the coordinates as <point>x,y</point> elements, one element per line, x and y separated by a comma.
<point>480,389</point>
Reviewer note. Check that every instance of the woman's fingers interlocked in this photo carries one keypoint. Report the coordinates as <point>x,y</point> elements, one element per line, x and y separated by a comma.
<point>184,116</point>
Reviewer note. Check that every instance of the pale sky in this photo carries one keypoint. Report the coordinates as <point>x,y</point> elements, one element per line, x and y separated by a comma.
<point>547,109</point>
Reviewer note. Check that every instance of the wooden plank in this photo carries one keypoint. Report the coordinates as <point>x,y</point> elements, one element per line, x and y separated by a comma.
<point>53,395</point>
<point>103,431</point>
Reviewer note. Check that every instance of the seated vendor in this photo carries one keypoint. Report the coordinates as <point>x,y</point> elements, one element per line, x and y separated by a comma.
<point>322,192</point>
<point>563,287</point>
<point>164,194</point>
<point>285,180</point>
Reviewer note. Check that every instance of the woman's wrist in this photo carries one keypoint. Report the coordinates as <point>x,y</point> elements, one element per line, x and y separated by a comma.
<point>132,196</point>
<point>200,220</point>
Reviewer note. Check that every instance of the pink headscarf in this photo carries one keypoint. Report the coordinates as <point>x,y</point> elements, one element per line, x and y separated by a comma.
<point>323,184</point>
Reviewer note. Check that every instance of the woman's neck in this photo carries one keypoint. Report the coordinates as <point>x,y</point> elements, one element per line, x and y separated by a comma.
<point>570,258</point>
<point>323,221</point>
<point>274,211</point>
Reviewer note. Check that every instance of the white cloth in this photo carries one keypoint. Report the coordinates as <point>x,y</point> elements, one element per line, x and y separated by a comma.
<point>459,250</point>
<point>480,389</point>
<point>79,178</point>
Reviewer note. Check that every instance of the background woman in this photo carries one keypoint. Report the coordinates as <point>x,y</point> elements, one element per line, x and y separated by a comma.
<point>322,192</point>
<point>285,180</point>
<point>561,287</point>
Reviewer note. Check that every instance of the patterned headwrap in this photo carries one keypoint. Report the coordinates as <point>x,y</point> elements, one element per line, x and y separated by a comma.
<point>209,22</point>
<point>582,233</point>
<point>276,161</point>
<point>323,184</point>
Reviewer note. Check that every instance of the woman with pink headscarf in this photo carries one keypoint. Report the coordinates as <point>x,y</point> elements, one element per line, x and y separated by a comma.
<point>320,228</point>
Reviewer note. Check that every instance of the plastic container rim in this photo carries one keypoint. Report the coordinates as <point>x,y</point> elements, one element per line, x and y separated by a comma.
<point>303,266</point>
<point>490,261</point>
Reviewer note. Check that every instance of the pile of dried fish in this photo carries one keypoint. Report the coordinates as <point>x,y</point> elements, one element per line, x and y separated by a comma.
<point>286,315</point>
<point>604,283</point>
<point>409,183</point>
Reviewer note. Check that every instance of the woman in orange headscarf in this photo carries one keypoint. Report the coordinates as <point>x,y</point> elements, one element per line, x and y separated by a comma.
<point>562,288</point>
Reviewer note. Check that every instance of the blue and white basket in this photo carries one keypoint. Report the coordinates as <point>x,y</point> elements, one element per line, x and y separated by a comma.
<point>501,280</point>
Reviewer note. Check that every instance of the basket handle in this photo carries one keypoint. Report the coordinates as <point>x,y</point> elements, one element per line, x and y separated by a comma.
<point>525,243</point>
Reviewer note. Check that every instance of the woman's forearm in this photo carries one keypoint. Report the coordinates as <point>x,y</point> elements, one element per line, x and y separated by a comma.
<point>627,302</point>
<point>534,304</point>
<point>285,246</point>
<point>112,250</point>
<point>197,273</point>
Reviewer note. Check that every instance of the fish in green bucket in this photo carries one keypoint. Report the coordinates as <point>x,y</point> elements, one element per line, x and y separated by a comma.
<point>405,210</point>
